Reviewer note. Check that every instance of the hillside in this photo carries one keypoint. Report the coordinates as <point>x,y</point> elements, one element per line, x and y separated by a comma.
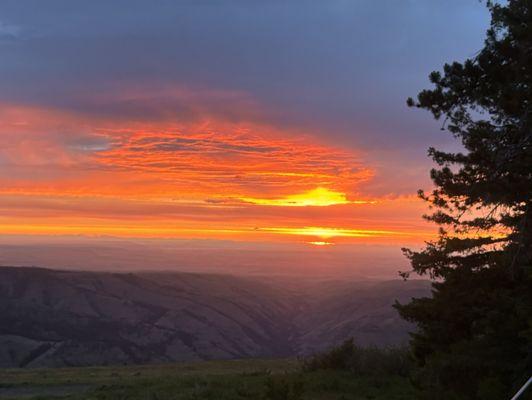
<point>65,318</point>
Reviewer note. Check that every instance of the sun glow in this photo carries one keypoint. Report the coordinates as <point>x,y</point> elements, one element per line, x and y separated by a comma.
<point>318,197</point>
<point>326,233</point>
<point>218,181</point>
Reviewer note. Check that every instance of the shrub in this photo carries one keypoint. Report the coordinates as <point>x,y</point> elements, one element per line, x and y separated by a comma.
<point>362,361</point>
<point>283,388</point>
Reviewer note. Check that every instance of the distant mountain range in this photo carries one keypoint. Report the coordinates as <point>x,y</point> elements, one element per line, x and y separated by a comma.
<point>70,318</point>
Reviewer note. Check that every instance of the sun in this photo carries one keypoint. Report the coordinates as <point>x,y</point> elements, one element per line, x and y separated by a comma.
<point>318,197</point>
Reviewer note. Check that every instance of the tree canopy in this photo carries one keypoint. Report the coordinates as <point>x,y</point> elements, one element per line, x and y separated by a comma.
<point>474,337</point>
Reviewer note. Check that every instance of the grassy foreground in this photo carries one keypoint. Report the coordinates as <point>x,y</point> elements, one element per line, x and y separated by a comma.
<point>216,380</point>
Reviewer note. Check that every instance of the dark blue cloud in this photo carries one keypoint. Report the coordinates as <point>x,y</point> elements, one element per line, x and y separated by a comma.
<point>341,67</point>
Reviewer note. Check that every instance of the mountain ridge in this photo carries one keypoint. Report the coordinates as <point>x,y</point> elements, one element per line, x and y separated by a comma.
<point>69,318</point>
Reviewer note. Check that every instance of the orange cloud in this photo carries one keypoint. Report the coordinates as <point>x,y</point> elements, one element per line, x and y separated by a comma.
<point>229,162</point>
<point>67,173</point>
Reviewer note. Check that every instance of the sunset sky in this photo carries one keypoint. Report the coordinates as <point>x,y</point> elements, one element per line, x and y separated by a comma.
<point>241,120</point>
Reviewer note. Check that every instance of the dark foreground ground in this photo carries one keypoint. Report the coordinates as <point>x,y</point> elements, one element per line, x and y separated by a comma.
<point>216,380</point>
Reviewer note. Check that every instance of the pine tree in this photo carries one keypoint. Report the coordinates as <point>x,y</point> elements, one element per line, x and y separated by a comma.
<point>474,336</point>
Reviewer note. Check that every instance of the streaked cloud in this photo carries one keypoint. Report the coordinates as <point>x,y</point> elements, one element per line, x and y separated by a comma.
<point>224,161</point>
<point>328,233</point>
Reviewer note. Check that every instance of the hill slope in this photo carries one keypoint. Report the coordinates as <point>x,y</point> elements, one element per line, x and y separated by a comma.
<point>63,318</point>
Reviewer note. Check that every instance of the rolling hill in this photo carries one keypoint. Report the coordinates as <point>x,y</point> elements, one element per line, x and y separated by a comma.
<point>75,318</point>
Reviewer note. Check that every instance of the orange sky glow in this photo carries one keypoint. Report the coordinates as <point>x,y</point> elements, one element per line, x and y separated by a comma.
<point>70,174</point>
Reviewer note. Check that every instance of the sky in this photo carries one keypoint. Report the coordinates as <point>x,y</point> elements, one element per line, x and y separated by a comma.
<point>238,121</point>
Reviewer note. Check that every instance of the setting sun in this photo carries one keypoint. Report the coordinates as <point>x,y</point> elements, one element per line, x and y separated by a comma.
<point>319,197</point>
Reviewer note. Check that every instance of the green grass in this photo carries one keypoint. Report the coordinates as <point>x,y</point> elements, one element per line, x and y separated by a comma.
<point>216,380</point>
